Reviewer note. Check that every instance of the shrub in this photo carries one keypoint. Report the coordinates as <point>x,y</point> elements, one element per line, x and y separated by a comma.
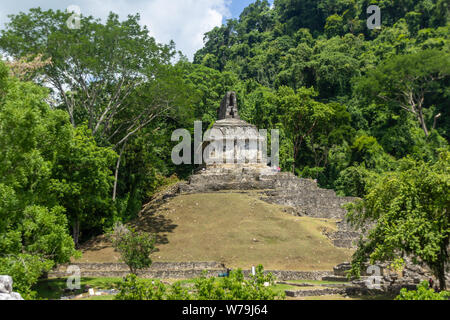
<point>133,288</point>
<point>423,292</point>
<point>235,287</point>
<point>25,269</point>
<point>134,247</point>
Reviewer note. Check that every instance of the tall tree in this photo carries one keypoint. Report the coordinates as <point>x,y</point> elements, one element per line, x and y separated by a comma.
<point>94,70</point>
<point>33,226</point>
<point>82,180</point>
<point>407,81</point>
<point>410,209</point>
<point>302,115</point>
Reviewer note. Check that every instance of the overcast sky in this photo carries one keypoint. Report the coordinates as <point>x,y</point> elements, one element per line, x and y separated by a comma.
<point>184,21</point>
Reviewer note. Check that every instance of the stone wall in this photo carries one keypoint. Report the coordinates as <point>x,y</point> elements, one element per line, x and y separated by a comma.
<point>314,292</point>
<point>299,275</point>
<point>158,270</point>
<point>280,188</point>
<point>177,270</point>
<point>146,274</point>
<point>156,266</point>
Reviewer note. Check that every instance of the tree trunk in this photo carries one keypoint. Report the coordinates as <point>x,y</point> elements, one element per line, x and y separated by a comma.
<point>439,273</point>
<point>442,264</point>
<point>436,117</point>
<point>438,267</point>
<point>422,123</point>
<point>116,174</point>
<point>76,231</point>
<point>442,284</point>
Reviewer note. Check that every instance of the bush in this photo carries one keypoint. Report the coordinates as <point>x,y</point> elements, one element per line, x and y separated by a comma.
<point>134,247</point>
<point>423,292</point>
<point>25,269</point>
<point>132,288</point>
<point>352,181</point>
<point>234,287</point>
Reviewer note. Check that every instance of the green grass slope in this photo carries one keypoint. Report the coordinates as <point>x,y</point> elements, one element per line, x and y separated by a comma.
<point>235,228</point>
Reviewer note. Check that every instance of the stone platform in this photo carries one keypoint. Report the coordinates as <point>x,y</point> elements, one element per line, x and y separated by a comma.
<point>282,188</point>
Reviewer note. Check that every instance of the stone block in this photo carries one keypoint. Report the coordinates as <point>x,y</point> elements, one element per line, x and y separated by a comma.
<point>6,287</point>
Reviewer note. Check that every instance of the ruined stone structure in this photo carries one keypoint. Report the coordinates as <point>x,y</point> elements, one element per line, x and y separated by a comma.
<point>177,270</point>
<point>301,197</point>
<point>228,107</point>
<point>233,141</point>
<point>249,171</point>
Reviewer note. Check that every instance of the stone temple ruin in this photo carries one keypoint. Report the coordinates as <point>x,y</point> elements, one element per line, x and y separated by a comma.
<point>237,161</point>
<point>252,174</point>
<point>301,197</point>
<point>228,107</point>
<point>232,142</point>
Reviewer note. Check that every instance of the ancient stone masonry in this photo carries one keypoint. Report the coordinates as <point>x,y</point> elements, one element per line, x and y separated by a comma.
<point>230,169</point>
<point>303,195</point>
<point>387,281</point>
<point>228,107</point>
<point>177,270</point>
<point>158,270</point>
<point>232,140</point>
<point>6,293</point>
<point>314,292</point>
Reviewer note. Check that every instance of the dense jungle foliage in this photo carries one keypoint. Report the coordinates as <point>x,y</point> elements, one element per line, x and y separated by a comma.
<point>86,115</point>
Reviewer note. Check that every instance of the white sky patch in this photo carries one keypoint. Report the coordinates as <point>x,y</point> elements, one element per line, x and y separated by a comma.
<point>183,21</point>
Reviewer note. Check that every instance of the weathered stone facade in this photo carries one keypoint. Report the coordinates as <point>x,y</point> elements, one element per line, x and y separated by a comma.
<point>388,280</point>
<point>232,140</point>
<point>228,107</point>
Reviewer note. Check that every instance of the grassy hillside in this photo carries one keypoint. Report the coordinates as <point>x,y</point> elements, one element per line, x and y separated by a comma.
<point>237,229</point>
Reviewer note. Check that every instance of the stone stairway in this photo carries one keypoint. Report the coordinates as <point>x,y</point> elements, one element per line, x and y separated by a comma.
<point>340,286</point>
<point>345,237</point>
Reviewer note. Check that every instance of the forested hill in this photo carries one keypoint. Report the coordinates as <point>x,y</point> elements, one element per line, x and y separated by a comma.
<point>87,116</point>
<point>365,97</point>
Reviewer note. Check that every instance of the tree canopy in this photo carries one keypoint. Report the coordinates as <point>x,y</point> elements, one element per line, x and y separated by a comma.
<point>410,208</point>
<point>86,118</point>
